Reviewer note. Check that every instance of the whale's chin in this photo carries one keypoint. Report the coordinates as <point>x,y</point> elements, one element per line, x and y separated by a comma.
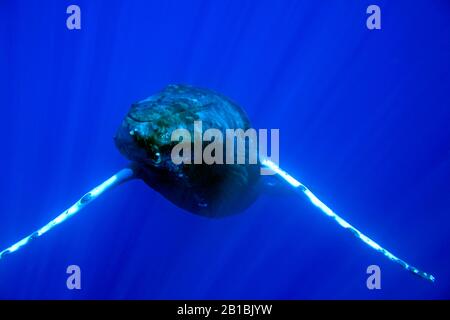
<point>217,191</point>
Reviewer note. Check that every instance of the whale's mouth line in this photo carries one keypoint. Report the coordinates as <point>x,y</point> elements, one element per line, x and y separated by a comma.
<point>136,120</point>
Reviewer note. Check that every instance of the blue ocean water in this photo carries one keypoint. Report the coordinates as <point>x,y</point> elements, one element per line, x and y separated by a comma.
<point>364,121</point>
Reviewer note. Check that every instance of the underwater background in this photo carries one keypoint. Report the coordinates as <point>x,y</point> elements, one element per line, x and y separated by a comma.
<point>364,119</point>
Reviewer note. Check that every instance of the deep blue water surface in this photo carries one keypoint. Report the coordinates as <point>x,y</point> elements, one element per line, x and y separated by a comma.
<point>364,119</point>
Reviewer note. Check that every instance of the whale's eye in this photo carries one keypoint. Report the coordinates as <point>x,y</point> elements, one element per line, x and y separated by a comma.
<point>156,157</point>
